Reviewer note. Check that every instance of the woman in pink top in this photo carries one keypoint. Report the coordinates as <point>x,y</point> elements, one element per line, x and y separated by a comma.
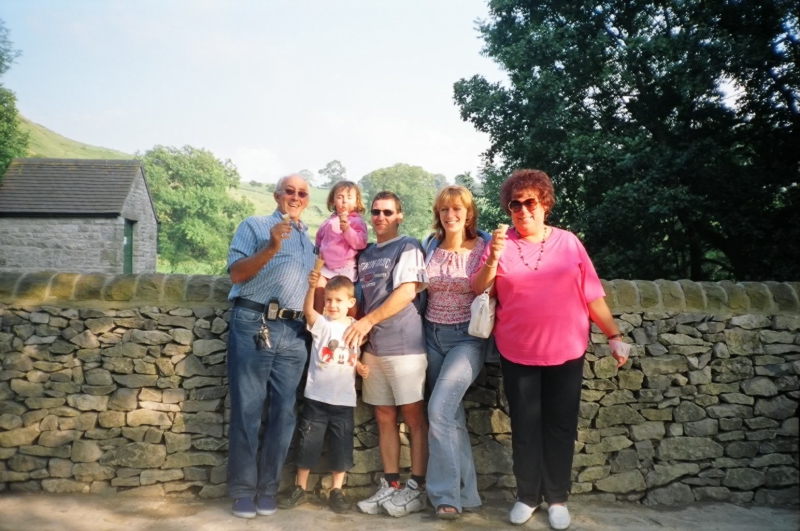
<point>547,291</point>
<point>340,237</point>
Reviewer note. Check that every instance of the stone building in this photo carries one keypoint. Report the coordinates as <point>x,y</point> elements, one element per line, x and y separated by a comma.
<point>93,216</point>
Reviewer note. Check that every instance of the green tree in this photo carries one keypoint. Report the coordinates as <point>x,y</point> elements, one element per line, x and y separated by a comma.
<point>198,217</point>
<point>13,140</point>
<point>332,173</point>
<point>309,176</point>
<point>415,187</point>
<point>670,129</point>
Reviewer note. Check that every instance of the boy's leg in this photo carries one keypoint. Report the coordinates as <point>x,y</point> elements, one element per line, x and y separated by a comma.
<point>311,427</point>
<point>338,479</point>
<point>341,427</point>
<point>302,477</point>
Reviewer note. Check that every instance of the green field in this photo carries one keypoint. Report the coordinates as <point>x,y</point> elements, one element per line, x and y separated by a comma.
<point>44,143</point>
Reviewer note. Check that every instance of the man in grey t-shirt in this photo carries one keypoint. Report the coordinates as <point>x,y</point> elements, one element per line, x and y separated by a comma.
<point>392,273</point>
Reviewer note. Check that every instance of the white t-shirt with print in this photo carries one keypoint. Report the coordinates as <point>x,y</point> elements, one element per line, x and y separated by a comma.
<point>332,368</point>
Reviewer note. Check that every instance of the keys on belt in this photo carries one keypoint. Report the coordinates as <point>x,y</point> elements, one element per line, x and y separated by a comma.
<point>262,337</point>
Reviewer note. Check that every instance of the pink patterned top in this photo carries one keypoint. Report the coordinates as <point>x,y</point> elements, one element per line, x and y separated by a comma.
<point>450,291</point>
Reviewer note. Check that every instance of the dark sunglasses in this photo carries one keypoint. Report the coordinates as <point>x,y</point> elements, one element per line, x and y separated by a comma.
<point>516,206</point>
<point>386,212</point>
<point>300,193</point>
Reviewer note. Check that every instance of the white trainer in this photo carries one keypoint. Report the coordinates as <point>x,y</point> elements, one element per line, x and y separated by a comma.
<point>372,505</point>
<point>559,516</point>
<point>520,513</point>
<point>409,500</point>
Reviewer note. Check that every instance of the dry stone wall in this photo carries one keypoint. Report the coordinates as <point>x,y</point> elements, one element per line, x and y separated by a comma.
<point>117,384</point>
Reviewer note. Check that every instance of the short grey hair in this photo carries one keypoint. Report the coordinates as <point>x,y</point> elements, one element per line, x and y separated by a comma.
<point>279,184</point>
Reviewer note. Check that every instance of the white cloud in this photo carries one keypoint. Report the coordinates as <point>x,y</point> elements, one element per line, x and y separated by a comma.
<point>257,164</point>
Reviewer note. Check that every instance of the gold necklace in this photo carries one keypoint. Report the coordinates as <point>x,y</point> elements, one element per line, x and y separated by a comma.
<point>541,251</point>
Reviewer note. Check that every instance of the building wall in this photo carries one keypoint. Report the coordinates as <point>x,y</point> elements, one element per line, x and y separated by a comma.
<point>118,384</point>
<point>61,244</point>
<point>88,244</point>
<point>137,207</point>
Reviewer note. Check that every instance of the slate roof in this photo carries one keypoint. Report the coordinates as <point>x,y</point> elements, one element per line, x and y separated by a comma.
<point>67,186</point>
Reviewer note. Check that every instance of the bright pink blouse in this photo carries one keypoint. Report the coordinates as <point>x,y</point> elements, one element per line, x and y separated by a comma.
<point>542,315</point>
<point>338,248</point>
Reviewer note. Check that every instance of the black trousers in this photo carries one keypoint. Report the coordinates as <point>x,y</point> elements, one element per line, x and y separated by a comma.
<point>544,403</point>
<point>315,419</point>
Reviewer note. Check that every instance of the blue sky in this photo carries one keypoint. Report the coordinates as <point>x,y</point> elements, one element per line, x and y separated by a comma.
<point>276,86</point>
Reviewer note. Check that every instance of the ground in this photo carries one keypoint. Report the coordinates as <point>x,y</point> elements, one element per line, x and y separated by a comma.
<point>94,513</point>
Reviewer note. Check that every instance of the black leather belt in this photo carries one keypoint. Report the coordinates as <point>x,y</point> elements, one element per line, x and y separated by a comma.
<point>283,313</point>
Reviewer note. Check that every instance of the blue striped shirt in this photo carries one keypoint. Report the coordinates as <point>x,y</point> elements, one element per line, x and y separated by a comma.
<point>285,277</point>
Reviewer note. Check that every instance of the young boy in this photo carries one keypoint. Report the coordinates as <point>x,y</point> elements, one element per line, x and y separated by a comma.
<point>330,391</point>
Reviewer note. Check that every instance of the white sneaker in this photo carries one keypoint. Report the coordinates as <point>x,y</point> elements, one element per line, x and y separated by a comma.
<point>372,505</point>
<point>559,516</point>
<point>520,513</point>
<point>409,500</point>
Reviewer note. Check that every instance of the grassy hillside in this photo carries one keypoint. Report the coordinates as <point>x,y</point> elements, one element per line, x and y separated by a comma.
<point>44,143</point>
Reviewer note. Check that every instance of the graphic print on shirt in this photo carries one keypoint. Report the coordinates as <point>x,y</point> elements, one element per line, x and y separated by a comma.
<point>336,354</point>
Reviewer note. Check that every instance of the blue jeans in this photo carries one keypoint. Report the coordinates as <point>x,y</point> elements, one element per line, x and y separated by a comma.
<point>455,359</point>
<point>253,376</point>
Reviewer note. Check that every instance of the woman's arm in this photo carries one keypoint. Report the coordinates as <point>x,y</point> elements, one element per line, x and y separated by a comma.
<point>600,315</point>
<point>488,271</point>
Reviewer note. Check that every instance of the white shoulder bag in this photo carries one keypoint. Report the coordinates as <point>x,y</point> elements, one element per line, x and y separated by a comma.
<point>481,319</point>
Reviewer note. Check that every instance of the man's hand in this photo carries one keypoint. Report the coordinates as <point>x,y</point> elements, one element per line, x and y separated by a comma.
<point>278,233</point>
<point>356,332</point>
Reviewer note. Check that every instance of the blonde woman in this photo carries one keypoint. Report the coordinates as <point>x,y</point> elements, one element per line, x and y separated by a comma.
<point>455,358</point>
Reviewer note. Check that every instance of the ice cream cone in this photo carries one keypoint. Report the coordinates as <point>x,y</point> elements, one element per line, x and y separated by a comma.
<point>285,217</point>
<point>318,263</point>
<point>502,227</point>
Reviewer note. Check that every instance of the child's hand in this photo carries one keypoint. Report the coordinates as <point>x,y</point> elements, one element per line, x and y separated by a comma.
<point>313,278</point>
<point>344,225</point>
<point>362,370</point>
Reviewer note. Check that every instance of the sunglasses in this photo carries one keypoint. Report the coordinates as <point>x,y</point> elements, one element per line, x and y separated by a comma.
<point>386,212</point>
<point>529,204</point>
<point>292,192</point>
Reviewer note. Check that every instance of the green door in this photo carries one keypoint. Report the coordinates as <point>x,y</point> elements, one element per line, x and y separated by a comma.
<point>128,267</point>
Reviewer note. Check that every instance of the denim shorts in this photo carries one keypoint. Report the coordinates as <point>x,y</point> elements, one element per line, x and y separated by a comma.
<point>315,419</point>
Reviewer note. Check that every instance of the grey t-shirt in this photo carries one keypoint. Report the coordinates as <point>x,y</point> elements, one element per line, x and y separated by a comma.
<point>382,267</point>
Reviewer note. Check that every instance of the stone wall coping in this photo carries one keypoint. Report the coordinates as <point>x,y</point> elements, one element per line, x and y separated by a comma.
<point>75,290</point>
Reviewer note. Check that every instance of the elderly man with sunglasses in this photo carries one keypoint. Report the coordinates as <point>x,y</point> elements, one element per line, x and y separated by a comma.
<point>269,261</point>
<point>392,273</point>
